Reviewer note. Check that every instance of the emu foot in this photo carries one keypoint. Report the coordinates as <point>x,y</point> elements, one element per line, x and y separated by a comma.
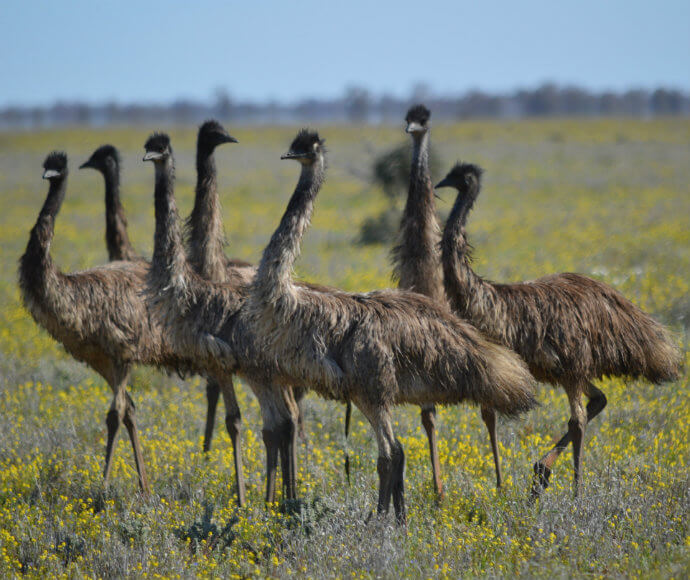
<point>292,507</point>
<point>439,497</point>
<point>540,481</point>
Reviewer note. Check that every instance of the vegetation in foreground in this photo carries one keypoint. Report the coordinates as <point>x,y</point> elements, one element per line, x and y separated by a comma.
<point>606,198</point>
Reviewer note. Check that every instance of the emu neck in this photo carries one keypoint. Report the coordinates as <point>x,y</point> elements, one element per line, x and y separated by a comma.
<point>416,257</point>
<point>169,258</point>
<point>463,287</point>
<point>206,239</point>
<point>274,275</point>
<point>36,265</point>
<point>116,236</point>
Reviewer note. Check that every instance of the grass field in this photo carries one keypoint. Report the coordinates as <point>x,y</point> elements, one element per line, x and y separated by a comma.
<point>607,198</point>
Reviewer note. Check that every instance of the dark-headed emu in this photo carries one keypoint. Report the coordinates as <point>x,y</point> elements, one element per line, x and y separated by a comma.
<point>569,329</point>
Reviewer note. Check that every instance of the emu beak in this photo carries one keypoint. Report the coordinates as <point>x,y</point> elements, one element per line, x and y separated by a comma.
<point>86,164</point>
<point>413,127</point>
<point>291,155</point>
<point>48,173</point>
<point>443,183</point>
<point>229,139</point>
<point>152,156</point>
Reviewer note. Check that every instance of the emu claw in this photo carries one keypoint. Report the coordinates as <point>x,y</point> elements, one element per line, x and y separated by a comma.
<point>540,481</point>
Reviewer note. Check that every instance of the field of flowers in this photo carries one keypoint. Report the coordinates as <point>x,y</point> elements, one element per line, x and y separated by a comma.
<point>607,198</point>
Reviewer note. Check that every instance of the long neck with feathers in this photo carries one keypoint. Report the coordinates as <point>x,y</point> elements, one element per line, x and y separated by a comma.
<point>205,225</point>
<point>116,236</point>
<point>169,264</point>
<point>416,257</point>
<point>273,280</point>
<point>463,287</point>
<point>37,271</point>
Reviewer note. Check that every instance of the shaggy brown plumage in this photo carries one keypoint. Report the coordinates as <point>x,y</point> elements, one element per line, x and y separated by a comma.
<point>206,243</point>
<point>377,349</point>
<point>569,329</point>
<point>417,264</point>
<point>205,251</point>
<point>106,160</point>
<point>416,256</point>
<point>194,308</point>
<point>98,315</point>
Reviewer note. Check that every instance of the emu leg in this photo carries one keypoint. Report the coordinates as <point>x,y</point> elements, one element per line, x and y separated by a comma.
<point>391,461</point>
<point>489,418</point>
<point>288,437</point>
<point>384,466</point>
<point>233,423</point>
<point>112,421</point>
<point>117,379</point>
<point>212,394</point>
<point>429,423</point>
<point>398,483</point>
<point>271,441</point>
<point>290,413</point>
<point>576,428</point>
<point>131,426</point>
<point>542,468</point>
<point>299,398</point>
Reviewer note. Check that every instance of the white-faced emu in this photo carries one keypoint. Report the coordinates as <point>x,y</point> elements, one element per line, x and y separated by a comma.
<point>568,328</point>
<point>417,263</point>
<point>416,257</point>
<point>378,349</point>
<point>98,315</point>
<point>106,160</point>
<point>193,309</point>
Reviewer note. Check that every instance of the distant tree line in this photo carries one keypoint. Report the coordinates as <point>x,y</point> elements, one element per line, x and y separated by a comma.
<point>358,105</point>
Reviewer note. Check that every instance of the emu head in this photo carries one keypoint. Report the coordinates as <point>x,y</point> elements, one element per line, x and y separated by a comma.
<point>465,177</point>
<point>103,158</point>
<point>306,148</point>
<point>158,148</point>
<point>55,165</point>
<point>212,134</point>
<point>417,120</point>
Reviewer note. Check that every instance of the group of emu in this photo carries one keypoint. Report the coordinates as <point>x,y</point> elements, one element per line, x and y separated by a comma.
<point>443,337</point>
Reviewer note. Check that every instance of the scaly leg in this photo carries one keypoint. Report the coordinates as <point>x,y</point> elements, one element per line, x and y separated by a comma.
<point>233,423</point>
<point>429,423</point>
<point>212,394</point>
<point>391,461</point>
<point>131,426</point>
<point>542,468</point>
<point>489,418</point>
<point>271,442</point>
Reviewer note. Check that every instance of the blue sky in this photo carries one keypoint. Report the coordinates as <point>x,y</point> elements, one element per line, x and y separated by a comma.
<point>157,51</point>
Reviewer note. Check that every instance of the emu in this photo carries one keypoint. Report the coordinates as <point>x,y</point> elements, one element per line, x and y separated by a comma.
<point>377,349</point>
<point>569,329</point>
<point>417,264</point>
<point>193,308</point>
<point>101,317</point>
<point>206,245</point>
<point>416,257</point>
<point>205,251</point>
<point>97,314</point>
<point>106,160</point>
